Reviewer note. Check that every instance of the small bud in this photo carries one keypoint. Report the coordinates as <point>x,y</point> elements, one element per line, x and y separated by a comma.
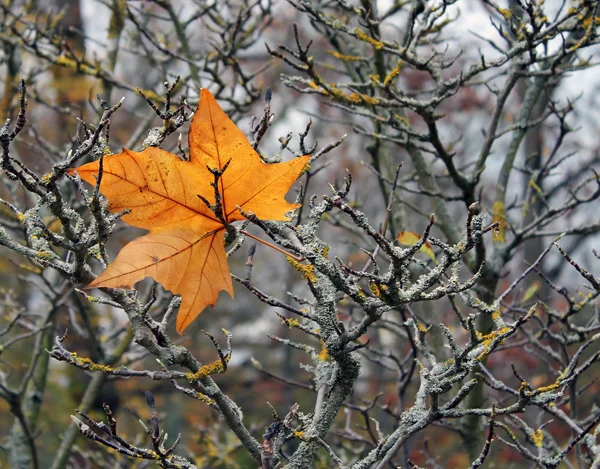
<point>149,399</point>
<point>474,208</point>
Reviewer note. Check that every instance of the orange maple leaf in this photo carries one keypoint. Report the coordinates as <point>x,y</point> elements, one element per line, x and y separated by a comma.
<point>184,250</point>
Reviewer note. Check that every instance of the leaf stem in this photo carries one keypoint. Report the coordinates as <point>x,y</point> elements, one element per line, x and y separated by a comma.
<point>272,246</point>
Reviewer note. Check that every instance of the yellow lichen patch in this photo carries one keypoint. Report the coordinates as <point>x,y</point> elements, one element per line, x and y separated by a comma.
<point>92,299</point>
<point>360,34</point>
<point>589,20</point>
<point>498,215</point>
<point>486,341</point>
<point>331,90</point>
<point>538,438</point>
<point>354,98</point>
<point>44,255</point>
<point>550,387</point>
<point>313,85</point>
<point>358,98</point>
<point>369,99</point>
<point>307,270</point>
<point>204,398</point>
<point>90,364</point>
<point>524,386</point>
<point>301,436</point>
<point>505,12</point>
<point>213,368</point>
<point>581,42</point>
<point>45,179</point>
<point>422,328</point>
<point>62,60</point>
<point>305,170</point>
<point>374,78</point>
<point>345,58</point>
<point>325,252</point>
<point>375,289</point>
<point>292,322</point>
<point>496,314</point>
<point>393,74</point>
<point>323,354</point>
